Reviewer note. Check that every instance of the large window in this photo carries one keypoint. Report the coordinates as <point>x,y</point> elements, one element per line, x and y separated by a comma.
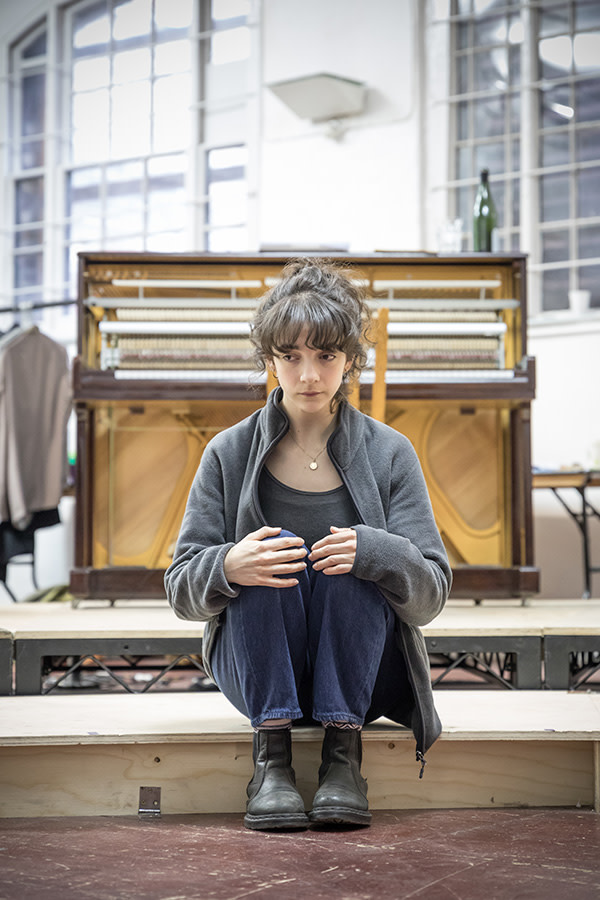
<point>526,105</point>
<point>138,140</point>
<point>27,162</point>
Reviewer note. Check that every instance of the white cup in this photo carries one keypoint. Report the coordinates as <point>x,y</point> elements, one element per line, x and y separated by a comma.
<point>579,301</point>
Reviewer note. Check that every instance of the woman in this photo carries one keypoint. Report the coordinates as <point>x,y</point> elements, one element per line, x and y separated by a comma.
<point>310,547</point>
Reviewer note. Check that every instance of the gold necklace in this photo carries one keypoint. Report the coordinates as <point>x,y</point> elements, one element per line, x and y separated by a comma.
<point>313,464</point>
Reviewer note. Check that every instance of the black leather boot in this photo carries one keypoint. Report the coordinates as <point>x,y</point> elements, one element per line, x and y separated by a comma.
<point>273,800</point>
<point>341,798</point>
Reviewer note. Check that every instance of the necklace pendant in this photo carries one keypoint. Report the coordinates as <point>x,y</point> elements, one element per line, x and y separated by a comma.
<point>313,465</point>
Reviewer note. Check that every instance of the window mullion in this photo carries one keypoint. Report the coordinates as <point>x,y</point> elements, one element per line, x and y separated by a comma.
<point>529,189</point>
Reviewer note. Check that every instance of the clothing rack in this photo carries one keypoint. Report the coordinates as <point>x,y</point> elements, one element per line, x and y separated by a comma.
<point>27,307</point>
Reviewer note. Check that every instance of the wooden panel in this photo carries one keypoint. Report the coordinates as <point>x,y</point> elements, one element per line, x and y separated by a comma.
<point>145,459</point>
<point>212,777</point>
<point>462,454</point>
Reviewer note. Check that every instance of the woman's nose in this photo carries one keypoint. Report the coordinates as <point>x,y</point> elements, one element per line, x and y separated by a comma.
<point>309,372</point>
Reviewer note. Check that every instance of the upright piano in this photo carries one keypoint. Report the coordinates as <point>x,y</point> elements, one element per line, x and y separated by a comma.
<point>163,364</point>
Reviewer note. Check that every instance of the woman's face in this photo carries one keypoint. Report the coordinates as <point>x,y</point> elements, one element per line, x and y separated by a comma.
<point>309,378</point>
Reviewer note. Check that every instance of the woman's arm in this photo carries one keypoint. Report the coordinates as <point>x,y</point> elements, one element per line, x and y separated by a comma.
<point>407,560</point>
<point>195,581</point>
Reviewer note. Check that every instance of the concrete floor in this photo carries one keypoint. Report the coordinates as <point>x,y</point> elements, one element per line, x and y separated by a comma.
<point>433,854</point>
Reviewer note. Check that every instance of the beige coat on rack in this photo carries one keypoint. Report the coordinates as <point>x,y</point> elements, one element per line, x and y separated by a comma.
<point>35,402</point>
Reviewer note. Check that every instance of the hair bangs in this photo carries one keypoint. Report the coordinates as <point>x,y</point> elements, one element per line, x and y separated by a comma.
<point>326,327</point>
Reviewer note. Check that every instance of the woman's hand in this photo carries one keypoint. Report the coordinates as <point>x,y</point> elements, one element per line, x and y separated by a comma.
<point>254,560</point>
<point>335,553</point>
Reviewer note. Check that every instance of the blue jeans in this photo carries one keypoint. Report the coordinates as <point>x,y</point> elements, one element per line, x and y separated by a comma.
<point>324,650</point>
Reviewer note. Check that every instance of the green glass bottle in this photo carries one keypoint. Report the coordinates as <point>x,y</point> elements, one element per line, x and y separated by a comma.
<point>484,216</point>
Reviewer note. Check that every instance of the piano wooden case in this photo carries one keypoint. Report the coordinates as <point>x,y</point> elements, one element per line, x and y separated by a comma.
<point>163,364</point>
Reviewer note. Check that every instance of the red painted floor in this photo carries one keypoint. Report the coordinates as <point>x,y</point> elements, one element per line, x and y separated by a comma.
<point>438,855</point>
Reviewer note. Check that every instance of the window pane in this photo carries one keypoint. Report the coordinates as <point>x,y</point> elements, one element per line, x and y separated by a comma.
<point>172,116</point>
<point>555,289</point>
<point>230,9</point>
<point>587,15</point>
<point>515,155</point>
<point>91,73</point>
<point>589,242</point>
<point>227,202</point>
<point>556,105</point>
<point>29,201</point>
<point>555,246</point>
<point>32,154</point>
<point>166,193</point>
<point>228,240</point>
<point>29,270</point>
<point>587,100</point>
<point>554,191</point>
<point>463,35</point>
<point>490,70</point>
<point>465,200</point>
<point>90,126</point>
<point>131,18</point>
<point>32,106</point>
<point>514,65</point>
<point>516,203</point>
<point>464,166</point>
<point>166,242</point>
<point>130,124</point>
<point>589,280</point>
<point>515,112</point>
<point>556,56</point>
<point>171,57</point>
<point>37,47</point>
<point>30,237</point>
<point>488,117</point>
<point>230,46</point>
<point>91,26</point>
<point>586,51</point>
<point>463,120</point>
<point>489,156</point>
<point>172,14</point>
<point>83,205</point>
<point>588,195</point>
<point>131,65</point>
<point>226,158</point>
<point>490,31</point>
<point>462,83</point>
<point>587,142</point>
<point>554,149</point>
<point>124,199</point>
<point>554,20</point>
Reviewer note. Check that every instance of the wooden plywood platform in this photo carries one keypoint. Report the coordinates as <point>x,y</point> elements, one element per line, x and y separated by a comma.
<point>75,756</point>
<point>143,618</point>
<point>542,630</point>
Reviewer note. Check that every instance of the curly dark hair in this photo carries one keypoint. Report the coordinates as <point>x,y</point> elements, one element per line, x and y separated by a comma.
<point>326,299</point>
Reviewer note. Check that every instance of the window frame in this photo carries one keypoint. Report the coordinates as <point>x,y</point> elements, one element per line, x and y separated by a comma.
<point>58,286</point>
<point>530,171</point>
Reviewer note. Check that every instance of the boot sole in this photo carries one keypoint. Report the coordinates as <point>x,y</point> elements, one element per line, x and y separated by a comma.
<point>276,822</point>
<point>339,815</point>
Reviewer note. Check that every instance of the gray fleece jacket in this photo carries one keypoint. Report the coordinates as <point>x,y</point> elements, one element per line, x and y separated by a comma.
<point>398,544</point>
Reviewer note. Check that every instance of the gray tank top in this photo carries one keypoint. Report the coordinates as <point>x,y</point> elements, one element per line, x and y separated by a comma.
<point>307,513</point>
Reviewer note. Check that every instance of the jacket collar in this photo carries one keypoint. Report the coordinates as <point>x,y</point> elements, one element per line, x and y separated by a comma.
<point>343,443</point>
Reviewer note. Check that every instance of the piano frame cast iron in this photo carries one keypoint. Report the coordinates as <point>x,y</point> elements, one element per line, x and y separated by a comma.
<point>141,431</point>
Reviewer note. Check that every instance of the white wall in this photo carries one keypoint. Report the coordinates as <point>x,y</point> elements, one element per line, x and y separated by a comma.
<point>362,190</point>
<point>565,432</point>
